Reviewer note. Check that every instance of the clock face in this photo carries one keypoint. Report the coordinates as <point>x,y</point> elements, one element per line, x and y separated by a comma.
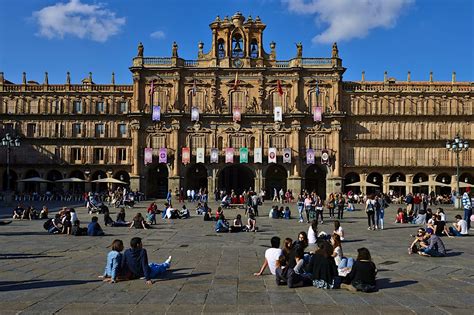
<point>238,63</point>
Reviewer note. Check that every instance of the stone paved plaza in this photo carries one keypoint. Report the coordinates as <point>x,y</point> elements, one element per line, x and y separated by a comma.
<point>213,273</point>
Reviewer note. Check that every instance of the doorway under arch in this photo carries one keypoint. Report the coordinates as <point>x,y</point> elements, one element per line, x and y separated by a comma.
<point>375,179</point>
<point>236,177</point>
<point>315,180</point>
<point>53,176</point>
<point>157,181</point>
<point>420,178</point>
<point>196,177</point>
<point>275,178</point>
<point>31,186</point>
<point>13,179</point>
<point>445,179</point>
<point>351,178</point>
<point>98,187</point>
<point>77,187</point>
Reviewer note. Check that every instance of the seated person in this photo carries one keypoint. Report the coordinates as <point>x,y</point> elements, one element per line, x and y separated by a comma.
<point>200,209</point>
<point>400,216</point>
<point>251,222</point>
<point>138,222</point>
<point>362,275</point>
<point>221,225</point>
<point>435,246</point>
<point>459,228</point>
<point>44,213</point>
<point>94,228</point>
<point>438,225</point>
<point>18,212</point>
<point>171,213</point>
<point>420,237</point>
<point>55,225</point>
<point>184,213</point>
<point>225,201</point>
<point>322,266</point>
<point>208,215</point>
<point>237,226</point>
<point>219,212</point>
<point>77,230</point>
<point>271,256</point>
<point>135,262</point>
<point>287,213</point>
<point>410,217</point>
<point>287,275</point>
<point>120,219</point>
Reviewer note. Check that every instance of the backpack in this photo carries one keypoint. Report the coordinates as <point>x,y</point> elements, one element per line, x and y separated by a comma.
<point>47,224</point>
<point>370,207</point>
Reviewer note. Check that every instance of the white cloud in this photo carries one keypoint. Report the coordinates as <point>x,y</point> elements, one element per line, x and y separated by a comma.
<point>347,19</point>
<point>158,35</point>
<point>92,21</point>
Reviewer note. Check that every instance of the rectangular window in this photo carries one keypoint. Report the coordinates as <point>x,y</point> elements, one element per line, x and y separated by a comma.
<point>317,143</point>
<point>277,141</point>
<point>350,156</point>
<point>11,107</point>
<point>237,142</point>
<point>397,157</point>
<point>34,107</point>
<point>77,107</point>
<point>31,130</point>
<point>100,108</point>
<point>99,130</point>
<point>121,155</point>
<point>57,153</point>
<point>158,142</point>
<point>57,107</point>
<point>8,127</point>
<point>76,155</point>
<point>420,157</point>
<point>197,142</point>
<point>98,155</point>
<point>77,130</point>
<point>122,130</point>
<point>58,130</point>
<point>238,100</point>
<point>123,107</point>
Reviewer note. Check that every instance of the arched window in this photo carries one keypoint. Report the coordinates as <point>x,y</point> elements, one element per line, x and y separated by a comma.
<point>237,44</point>
<point>254,49</point>
<point>197,99</point>
<point>160,98</point>
<point>278,100</point>
<point>220,48</point>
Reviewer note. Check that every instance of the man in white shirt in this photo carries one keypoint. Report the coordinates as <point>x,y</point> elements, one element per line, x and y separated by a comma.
<point>271,256</point>
<point>459,228</point>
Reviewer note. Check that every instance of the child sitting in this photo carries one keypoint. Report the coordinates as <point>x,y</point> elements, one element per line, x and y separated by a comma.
<point>114,260</point>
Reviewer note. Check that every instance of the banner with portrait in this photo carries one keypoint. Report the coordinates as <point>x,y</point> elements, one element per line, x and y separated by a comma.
<point>148,156</point>
<point>325,157</point>
<point>236,114</point>
<point>309,156</point>
<point>214,155</point>
<point>194,113</point>
<point>156,115</point>
<point>272,155</point>
<point>287,155</point>
<point>186,155</point>
<point>229,155</point>
<point>317,114</point>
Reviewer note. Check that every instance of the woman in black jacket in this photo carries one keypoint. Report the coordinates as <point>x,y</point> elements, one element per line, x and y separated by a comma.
<point>362,275</point>
<point>323,267</point>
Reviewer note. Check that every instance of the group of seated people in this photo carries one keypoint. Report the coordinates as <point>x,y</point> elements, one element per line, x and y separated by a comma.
<point>280,213</point>
<point>66,222</point>
<point>29,213</point>
<point>223,226</point>
<point>132,264</point>
<point>297,265</point>
<point>167,213</point>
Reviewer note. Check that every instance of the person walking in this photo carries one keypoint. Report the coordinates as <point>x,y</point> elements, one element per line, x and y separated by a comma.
<point>467,206</point>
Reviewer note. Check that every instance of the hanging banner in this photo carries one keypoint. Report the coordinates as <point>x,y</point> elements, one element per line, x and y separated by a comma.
<point>156,115</point>
<point>287,155</point>
<point>194,113</point>
<point>186,155</point>
<point>317,114</point>
<point>237,115</point>
<point>148,156</point>
<point>200,155</point>
<point>163,157</point>
<point>229,155</point>
<point>278,113</point>
<point>272,155</point>
<point>325,157</point>
<point>214,155</point>
<point>309,156</point>
<point>257,155</point>
<point>244,155</point>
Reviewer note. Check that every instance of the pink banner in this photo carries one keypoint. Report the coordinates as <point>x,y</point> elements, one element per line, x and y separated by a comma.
<point>237,115</point>
<point>148,156</point>
<point>186,155</point>
<point>229,155</point>
<point>317,114</point>
<point>163,157</point>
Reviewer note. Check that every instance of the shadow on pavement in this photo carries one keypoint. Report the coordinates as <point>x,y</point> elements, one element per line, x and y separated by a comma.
<point>385,283</point>
<point>170,275</point>
<point>25,256</point>
<point>452,254</point>
<point>38,284</point>
<point>353,241</point>
<point>24,233</point>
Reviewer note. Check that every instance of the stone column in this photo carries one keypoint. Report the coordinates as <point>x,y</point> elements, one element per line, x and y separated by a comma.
<point>174,179</point>
<point>135,174</point>
<point>385,183</point>
<point>363,180</point>
<point>409,181</point>
<point>431,183</point>
<point>294,180</point>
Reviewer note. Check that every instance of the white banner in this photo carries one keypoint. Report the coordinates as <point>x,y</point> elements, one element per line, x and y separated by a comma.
<point>287,155</point>
<point>272,155</point>
<point>257,155</point>
<point>200,155</point>
<point>278,113</point>
<point>194,114</point>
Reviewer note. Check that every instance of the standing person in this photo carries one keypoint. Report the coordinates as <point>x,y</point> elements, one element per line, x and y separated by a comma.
<point>370,210</point>
<point>275,195</point>
<point>193,195</point>
<point>114,260</point>
<point>340,207</point>
<point>409,202</point>
<point>181,195</point>
<point>255,201</point>
<point>188,194</point>
<point>380,206</point>
<point>282,195</point>
<point>331,205</point>
<point>467,206</point>
<point>319,209</point>
<point>416,204</point>
<point>271,256</point>
<point>307,206</point>
<point>300,206</point>
<point>168,196</point>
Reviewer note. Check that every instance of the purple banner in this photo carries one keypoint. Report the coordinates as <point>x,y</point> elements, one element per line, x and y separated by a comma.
<point>317,114</point>
<point>163,157</point>
<point>156,115</point>
<point>309,156</point>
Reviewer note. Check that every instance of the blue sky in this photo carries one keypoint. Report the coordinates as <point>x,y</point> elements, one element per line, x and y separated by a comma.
<point>101,36</point>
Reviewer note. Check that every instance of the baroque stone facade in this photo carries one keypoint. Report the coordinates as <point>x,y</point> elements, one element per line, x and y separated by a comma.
<point>387,133</point>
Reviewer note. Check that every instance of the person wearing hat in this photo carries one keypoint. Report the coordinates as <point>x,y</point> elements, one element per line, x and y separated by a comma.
<point>435,247</point>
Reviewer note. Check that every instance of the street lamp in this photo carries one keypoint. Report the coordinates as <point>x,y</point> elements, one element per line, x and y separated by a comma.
<point>457,145</point>
<point>9,142</point>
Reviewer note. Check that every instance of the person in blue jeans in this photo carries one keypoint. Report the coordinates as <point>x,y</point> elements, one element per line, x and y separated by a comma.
<point>221,225</point>
<point>168,196</point>
<point>94,228</point>
<point>467,206</point>
<point>114,260</point>
<point>459,228</point>
<point>435,247</point>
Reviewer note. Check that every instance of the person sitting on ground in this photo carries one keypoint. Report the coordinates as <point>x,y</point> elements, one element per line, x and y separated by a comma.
<point>440,213</point>
<point>219,212</point>
<point>67,224</point>
<point>251,222</point>
<point>285,275</point>
<point>363,273</point>
<point>27,214</point>
<point>338,230</point>
<point>401,218</point>
<point>107,219</point>
<point>120,219</point>
<point>184,213</point>
<point>135,262</point>
<point>287,213</point>
<point>271,256</point>
<point>323,268</point>
<point>94,228</point>
<point>237,226</point>
<point>221,225</point>
<point>410,217</point>
<point>208,215</point>
<point>55,226</point>
<point>287,247</point>
<point>151,213</point>
<point>420,237</point>
<point>18,212</point>
<point>435,247</point>
<point>44,213</point>
<point>77,230</point>
<point>459,228</point>
<point>114,261</point>
<point>138,222</point>
<point>273,213</point>
<point>438,225</point>
<point>200,209</point>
